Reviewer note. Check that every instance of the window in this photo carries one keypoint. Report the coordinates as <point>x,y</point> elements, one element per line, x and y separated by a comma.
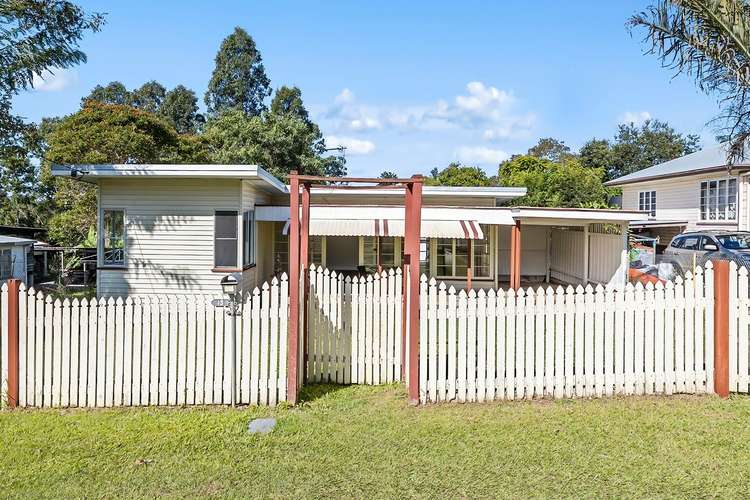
<point>225,239</point>
<point>691,243</point>
<point>6,264</point>
<point>453,256</point>
<point>677,243</point>
<point>248,238</point>
<point>113,237</point>
<point>719,200</point>
<point>424,256</point>
<point>647,202</point>
<point>379,251</point>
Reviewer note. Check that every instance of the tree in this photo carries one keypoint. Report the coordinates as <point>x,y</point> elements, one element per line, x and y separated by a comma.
<point>37,38</point>
<point>100,133</point>
<point>180,107</point>
<point>239,79</point>
<point>708,40</point>
<point>456,174</point>
<point>637,147</point>
<point>387,175</point>
<point>149,97</point>
<point>112,93</point>
<point>288,102</point>
<point>554,184</point>
<point>550,149</point>
<point>278,143</point>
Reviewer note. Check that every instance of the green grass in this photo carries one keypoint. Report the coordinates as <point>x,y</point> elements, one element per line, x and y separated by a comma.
<point>367,442</point>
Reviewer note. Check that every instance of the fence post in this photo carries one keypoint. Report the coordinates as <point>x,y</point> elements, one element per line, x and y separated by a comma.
<point>721,328</point>
<point>12,342</point>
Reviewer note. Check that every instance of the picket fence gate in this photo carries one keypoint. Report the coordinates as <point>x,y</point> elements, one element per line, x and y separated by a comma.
<point>354,331</point>
<point>566,342</point>
<point>167,350</point>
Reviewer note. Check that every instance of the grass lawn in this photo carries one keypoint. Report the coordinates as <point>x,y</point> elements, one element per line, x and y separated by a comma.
<point>367,442</point>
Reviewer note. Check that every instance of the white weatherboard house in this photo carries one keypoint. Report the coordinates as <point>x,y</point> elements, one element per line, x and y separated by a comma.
<point>181,228</point>
<point>696,191</point>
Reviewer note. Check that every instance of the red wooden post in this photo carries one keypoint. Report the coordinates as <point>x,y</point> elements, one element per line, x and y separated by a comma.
<point>294,286</point>
<point>405,281</point>
<point>13,366</point>
<point>304,255</point>
<point>411,243</point>
<point>721,328</point>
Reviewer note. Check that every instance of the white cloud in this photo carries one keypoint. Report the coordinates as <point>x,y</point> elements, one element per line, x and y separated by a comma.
<point>636,117</point>
<point>481,155</point>
<point>481,108</point>
<point>353,146</point>
<point>53,81</point>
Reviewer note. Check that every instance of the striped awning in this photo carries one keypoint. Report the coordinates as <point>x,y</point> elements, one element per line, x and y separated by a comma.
<point>460,229</point>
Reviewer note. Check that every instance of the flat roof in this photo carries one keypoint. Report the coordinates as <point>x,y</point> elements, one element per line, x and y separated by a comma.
<point>90,173</point>
<point>12,240</point>
<point>703,161</point>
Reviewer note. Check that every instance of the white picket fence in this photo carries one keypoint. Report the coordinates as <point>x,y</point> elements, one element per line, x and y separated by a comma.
<point>354,327</point>
<point>167,350</point>
<point>567,342</point>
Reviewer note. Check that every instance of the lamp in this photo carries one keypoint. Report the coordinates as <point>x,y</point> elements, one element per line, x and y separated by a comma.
<point>229,285</point>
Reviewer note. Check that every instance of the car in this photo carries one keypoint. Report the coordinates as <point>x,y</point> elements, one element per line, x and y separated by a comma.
<point>697,247</point>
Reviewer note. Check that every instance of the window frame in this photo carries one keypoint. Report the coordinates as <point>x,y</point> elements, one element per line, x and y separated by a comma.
<point>489,236</point>
<point>101,250</point>
<point>249,239</point>
<point>711,196</point>
<point>237,240</point>
<point>647,202</point>
<point>10,263</point>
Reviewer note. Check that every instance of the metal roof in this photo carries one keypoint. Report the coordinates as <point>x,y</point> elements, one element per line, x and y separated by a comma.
<point>90,173</point>
<point>12,240</point>
<point>705,160</point>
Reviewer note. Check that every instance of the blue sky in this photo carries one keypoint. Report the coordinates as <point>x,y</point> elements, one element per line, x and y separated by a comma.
<point>407,86</point>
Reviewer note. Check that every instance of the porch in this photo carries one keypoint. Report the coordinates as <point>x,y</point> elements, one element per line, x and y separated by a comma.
<point>468,248</point>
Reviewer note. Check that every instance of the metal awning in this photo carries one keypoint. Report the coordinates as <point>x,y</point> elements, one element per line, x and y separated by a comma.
<point>462,229</point>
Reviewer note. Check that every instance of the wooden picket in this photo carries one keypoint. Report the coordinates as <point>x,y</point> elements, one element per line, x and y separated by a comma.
<point>583,342</point>
<point>138,351</point>
<point>739,329</point>
<point>354,327</point>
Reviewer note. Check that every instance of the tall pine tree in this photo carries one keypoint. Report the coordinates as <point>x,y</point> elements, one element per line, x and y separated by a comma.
<point>239,79</point>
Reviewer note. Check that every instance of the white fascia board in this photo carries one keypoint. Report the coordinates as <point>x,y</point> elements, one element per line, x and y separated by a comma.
<point>583,215</point>
<point>91,173</point>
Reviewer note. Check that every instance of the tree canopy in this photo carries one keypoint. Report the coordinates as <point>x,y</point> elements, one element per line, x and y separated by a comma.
<point>566,183</point>
<point>456,174</point>
<point>551,149</point>
<point>37,38</point>
<point>239,78</point>
<point>178,106</point>
<point>101,133</point>
<point>708,40</point>
<point>636,147</point>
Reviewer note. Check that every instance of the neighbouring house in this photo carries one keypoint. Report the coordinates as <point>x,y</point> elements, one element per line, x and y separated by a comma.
<point>181,228</point>
<point>17,259</point>
<point>694,192</point>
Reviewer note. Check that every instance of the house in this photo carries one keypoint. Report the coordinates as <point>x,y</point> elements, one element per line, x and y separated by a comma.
<point>17,259</point>
<point>696,191</point>
<point>181,228</point>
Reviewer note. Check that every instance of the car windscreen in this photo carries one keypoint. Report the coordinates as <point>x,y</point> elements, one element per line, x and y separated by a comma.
<point>736,241</point>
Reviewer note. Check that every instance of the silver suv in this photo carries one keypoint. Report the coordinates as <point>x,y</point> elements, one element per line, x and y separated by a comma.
<point>699,246</point>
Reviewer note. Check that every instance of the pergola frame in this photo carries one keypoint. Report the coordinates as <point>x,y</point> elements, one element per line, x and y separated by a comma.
<point>299,236</point>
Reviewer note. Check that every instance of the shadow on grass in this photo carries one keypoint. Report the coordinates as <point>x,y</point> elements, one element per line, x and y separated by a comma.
<point>311,392</point>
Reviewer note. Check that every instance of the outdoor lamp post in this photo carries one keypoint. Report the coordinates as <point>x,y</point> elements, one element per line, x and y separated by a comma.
<point>229,284</point>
